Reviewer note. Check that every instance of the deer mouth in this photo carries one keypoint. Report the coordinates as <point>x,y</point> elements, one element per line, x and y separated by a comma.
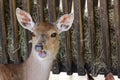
<point>42,53</point>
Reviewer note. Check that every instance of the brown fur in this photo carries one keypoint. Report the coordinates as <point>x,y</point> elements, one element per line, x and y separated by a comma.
<point>47,29</point>
<point>109,77</point>
<point>11,72</point>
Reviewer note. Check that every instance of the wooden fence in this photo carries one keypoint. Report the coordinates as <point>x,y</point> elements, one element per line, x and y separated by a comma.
<point>93,39</point>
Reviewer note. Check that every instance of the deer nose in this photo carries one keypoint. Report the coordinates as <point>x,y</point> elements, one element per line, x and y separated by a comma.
<point>39,47</point>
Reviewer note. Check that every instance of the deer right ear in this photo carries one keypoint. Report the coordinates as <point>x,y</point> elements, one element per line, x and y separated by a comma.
<point>25,19</point>
<point>64,23</point>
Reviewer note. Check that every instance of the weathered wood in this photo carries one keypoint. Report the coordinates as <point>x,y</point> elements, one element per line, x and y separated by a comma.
<point>79,7</point>
<point>26,7</point>
<point>66,9</point>
<point>3,34</point>
<point>105,33</point>
<point>95,3</point>
<point>57,3</point>
<point>83,6</point>
<point>79,31</point>
<point>51,10</point>
<point>40,11</point>
<point>13,23</point>
<point>91,26</point>
<point>67,5</point>
<point>117,31</point>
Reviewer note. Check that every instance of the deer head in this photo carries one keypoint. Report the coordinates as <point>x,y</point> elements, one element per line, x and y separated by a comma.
<point>45,42</point>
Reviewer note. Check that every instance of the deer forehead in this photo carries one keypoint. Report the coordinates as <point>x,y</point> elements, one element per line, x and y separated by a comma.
<point>45,28</point>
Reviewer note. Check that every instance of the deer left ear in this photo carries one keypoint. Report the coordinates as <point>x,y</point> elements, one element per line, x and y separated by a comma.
<point>25,19</point>
<point>64,23</point>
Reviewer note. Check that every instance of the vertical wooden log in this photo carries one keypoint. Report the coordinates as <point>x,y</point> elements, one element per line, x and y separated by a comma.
<point>83,6</point>
<point>52,18</point>
<point>105,32</point>
<point>40,11</point>
<point>57,3</point>
<point>91,25</point>
<point>51,10</point>
<point>117,31</point>
<point>3,34</point>
<point>95,3</point>
<point>67,5</point>
<point>12,4</point>
<point>45,3</point>
<point>79,29</point>
<point>26,7</point>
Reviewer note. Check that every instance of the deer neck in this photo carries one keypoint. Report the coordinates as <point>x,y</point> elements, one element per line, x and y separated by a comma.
<point>36,69</point>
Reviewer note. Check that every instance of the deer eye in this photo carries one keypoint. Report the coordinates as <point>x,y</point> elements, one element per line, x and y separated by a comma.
<point>33,35</point>
<point>53,34</point>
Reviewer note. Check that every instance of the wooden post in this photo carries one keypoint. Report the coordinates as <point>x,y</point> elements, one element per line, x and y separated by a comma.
<point>67,5</point>
<point>79,31</point>
<point>91,26</point>
<point>14,26</point>
<point>3,34</point>
<point>51,11</point>
<point>105,33</point>
<point>117,32</point>
<point>40,11</point>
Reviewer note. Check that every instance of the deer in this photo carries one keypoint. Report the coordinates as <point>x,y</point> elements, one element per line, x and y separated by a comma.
<point>109,76</point>
<point>45,46</point>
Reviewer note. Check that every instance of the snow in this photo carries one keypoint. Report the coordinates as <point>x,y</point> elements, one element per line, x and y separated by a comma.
<point>64,76</point>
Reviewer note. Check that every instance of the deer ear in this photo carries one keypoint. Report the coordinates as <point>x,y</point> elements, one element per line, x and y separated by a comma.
<point>25,19</point>
<point>64,23</point>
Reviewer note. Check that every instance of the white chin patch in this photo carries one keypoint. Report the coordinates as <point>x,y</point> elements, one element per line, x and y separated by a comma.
<point>42,54</point>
